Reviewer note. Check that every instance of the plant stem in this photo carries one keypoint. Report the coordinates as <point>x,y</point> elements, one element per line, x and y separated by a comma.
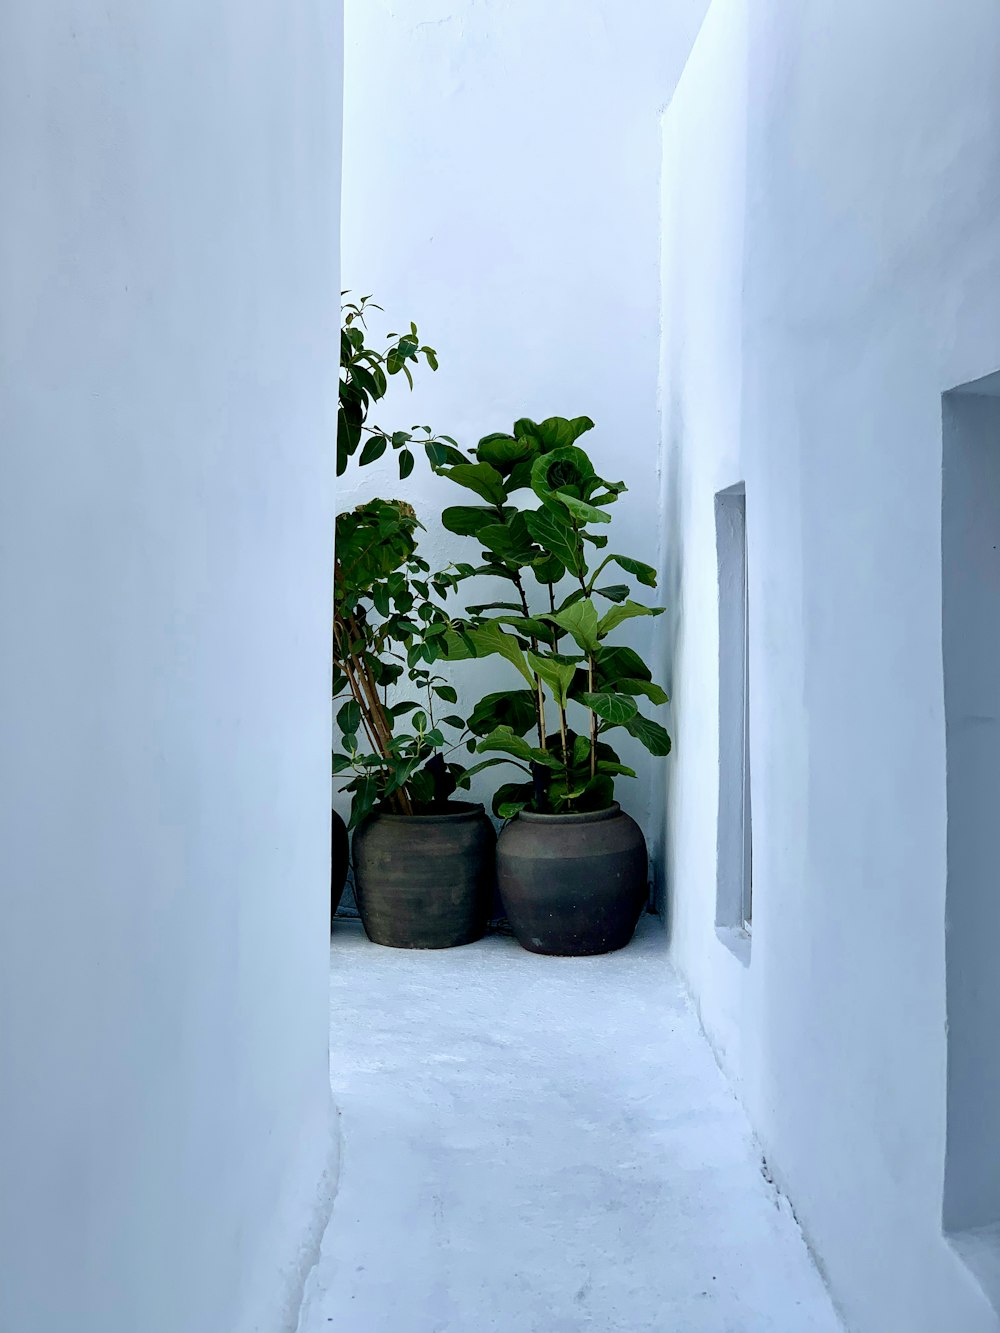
<point>539,692</point>
<point>593,719</point>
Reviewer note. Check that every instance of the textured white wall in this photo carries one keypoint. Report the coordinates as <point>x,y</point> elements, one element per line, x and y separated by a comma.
<point>501,169</point>
<point>168,320</point>
<point>815,318</point>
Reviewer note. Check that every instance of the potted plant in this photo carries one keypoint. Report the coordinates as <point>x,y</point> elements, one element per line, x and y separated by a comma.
<point>572,866</point>
<point>423,863</point>
<point>365,373</point>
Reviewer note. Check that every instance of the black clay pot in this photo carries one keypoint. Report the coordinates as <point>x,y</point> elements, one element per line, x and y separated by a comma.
<point>425,881</point>
<point>573,884</point>
<point>340,857</point>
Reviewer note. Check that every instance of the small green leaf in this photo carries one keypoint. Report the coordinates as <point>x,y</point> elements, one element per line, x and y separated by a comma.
<point>446,692</point>
<point>614,592</point>
<point>405,464</point>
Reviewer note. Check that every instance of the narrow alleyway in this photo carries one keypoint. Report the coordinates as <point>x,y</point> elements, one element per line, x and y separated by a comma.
<point>536,1145</point>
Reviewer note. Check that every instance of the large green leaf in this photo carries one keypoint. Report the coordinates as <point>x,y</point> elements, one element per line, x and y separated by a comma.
<point>646,687</point>
<point>555,535</point>
<point>579,620</point>
<point>620,663</point>
<point>510,540</point>
<point>627,611</point>
<point>503,451</point>
<point>486,641</point>
<point>511,798</point>
<point>566,477</point>
<point>651,734</point>
<point>492,762</point>
<point>556,432</point>
<point>481,478</point>
<point>646,574</point>
<point>616,709</point>
<point>508,708</point>
<point>528,627</point>
<point>557,674</point>
<point>467,520</point>
<point>505,740</point>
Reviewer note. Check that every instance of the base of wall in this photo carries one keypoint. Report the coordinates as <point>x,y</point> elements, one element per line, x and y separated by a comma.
<point>274,1301</point>
<point>979,1250</point>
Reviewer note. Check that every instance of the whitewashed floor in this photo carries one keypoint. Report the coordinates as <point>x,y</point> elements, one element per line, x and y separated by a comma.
<point>541,1145</point>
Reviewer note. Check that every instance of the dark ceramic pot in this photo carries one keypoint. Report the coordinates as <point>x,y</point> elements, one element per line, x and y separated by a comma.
<point>573,884</point>
<point>425,881</point>
<point>340,858</point>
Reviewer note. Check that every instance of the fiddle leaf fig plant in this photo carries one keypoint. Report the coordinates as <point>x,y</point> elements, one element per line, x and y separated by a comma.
<point>541,525</point>
<point>389,622</point>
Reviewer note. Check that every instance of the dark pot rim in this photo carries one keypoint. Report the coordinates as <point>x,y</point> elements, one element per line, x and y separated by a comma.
<point>579,817</point>
<point>458,812</point>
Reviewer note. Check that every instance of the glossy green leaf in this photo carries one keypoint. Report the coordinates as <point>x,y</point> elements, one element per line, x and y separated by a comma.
<point>556,536</point>
<point>646,574</point>
<point>510,708</point>
<point>486,641</point>
<point>628,611</point>
<point>616,709</point>
<point>654,737</point>
<point>349,717</point>
<point>504,739</point>
<point>468,520</point>
<point>645,687</point>
<point>557,674</point>
<point>481,478</point>
<point>579,620</point>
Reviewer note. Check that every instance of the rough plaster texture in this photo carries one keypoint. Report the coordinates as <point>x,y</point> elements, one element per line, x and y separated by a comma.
<point>501,161</point>
<point>543,1145</point>
<point>831,267</point>
<point>168,324</point>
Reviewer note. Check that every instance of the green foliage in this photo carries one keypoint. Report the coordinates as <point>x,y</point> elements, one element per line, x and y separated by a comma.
<point>365,373</point>
<point>389,625</point>
<point>561,649</point>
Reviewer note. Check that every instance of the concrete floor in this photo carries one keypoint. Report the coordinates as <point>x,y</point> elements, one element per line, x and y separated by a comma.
<point>543,1145</point>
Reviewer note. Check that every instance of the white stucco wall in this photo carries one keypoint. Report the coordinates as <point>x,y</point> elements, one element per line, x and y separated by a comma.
<point>832,266</point>
<point>501,168</point>
<point>169,295</point>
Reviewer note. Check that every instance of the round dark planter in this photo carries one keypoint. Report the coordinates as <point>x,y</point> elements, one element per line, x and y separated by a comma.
<point>573,884</point>
<point>425,881</point>
<point>340,858</point>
